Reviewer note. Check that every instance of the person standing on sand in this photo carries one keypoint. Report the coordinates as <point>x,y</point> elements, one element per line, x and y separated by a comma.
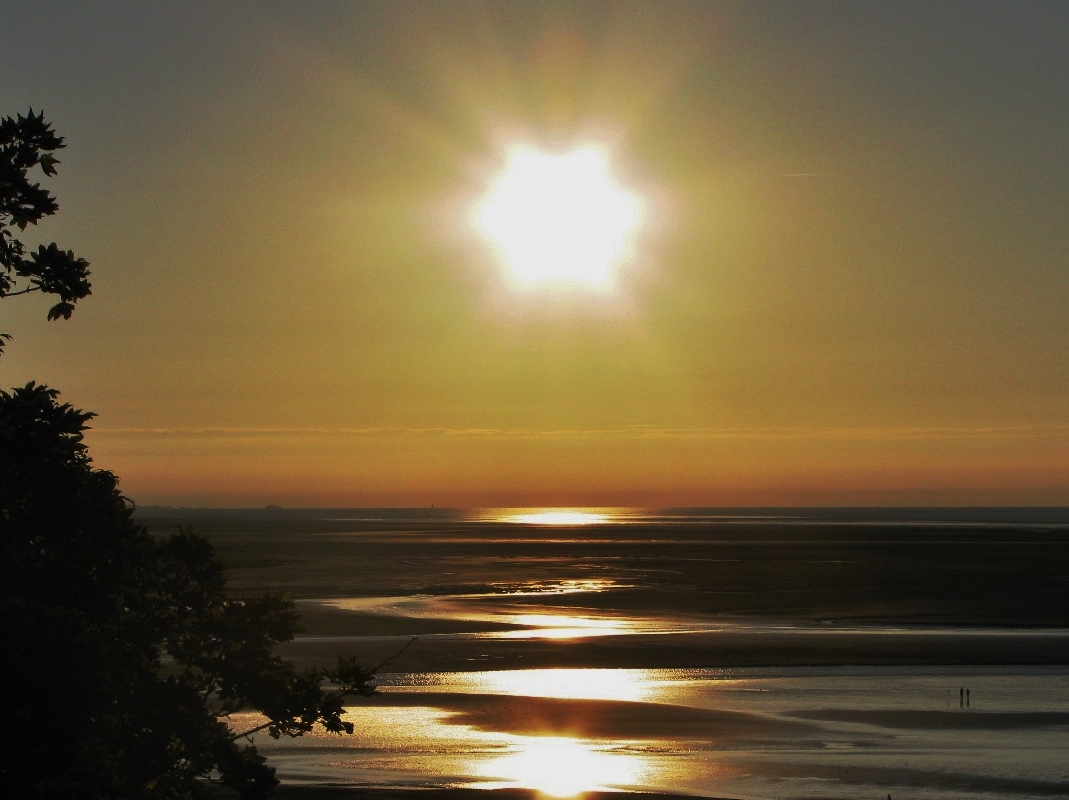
<point>961,698</point>
<point>966,698</point>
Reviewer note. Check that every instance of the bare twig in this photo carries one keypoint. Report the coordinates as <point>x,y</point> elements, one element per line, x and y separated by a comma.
<point>235,736</point>
<point>394,656</point>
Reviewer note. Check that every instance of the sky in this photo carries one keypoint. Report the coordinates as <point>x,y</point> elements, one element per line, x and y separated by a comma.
<point>848,284</point>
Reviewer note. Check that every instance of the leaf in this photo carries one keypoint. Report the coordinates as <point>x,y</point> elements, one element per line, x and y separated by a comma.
<point>61,309</point>
<point>48,164</point>
<point>27,141</point>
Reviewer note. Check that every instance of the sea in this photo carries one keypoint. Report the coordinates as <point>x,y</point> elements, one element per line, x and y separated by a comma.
<point>728,653</point>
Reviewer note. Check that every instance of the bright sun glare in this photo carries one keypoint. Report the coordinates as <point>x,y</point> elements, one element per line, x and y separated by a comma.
<point>560,218</point>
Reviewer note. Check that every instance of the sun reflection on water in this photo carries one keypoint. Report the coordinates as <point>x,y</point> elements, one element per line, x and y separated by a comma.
<point>427,743</point>
<point>564,626</point>
<point>557,517</point>
<point>560,766</point>
<point>634,685</point>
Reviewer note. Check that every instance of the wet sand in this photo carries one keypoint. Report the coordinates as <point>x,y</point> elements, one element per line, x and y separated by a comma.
<point>694,651</point>
<point>595,719</point>
<point>1008,574</point>
<point>762,745</point>
<point>730,595</point>
<point>942,720</point>
<point>751,643</point>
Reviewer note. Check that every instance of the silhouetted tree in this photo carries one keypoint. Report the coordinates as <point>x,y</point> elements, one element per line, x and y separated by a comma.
<point>25,143</point>
<point>123,657</point>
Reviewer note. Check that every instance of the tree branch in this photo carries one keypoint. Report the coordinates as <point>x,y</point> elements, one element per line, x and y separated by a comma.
<point>235,736</point>
<point>394,656</point>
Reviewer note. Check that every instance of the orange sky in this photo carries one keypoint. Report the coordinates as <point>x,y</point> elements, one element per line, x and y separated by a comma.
<point>850,286</point>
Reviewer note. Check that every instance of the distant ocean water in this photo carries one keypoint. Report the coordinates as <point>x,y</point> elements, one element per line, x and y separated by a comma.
<point>759,653</point>
<point>987,515</point>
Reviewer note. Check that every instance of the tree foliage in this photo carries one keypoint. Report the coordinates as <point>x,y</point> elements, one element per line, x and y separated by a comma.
<point>26,143</point>
<point>124,657</point>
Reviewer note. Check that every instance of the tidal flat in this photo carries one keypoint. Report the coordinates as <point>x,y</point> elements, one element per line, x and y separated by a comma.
<point>781,653</point>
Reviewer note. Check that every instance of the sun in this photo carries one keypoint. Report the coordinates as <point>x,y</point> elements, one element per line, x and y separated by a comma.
<point>559,218</point>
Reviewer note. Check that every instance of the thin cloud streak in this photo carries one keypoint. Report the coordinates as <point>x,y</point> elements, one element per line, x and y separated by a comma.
<point>625,432</point>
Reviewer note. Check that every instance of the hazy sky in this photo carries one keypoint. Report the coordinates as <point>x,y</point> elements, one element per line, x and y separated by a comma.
<point>850,285</point>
